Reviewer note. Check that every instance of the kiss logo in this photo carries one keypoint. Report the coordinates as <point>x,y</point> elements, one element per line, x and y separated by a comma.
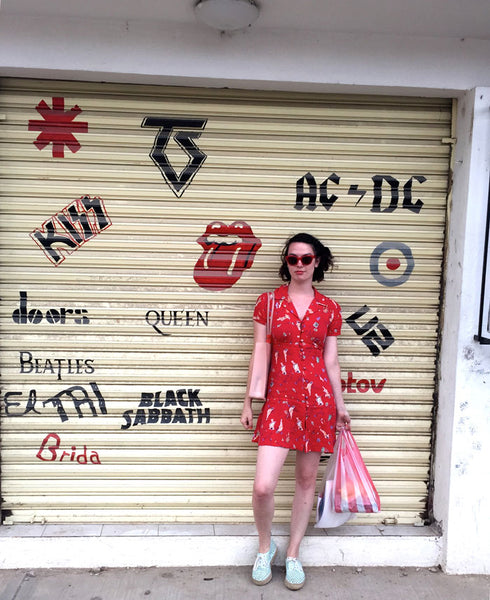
<point>228,251</point>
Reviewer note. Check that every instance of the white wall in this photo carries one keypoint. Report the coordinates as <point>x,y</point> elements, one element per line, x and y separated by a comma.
<point>357,63</point>
<point>152,52</point>
<point>462,499</point>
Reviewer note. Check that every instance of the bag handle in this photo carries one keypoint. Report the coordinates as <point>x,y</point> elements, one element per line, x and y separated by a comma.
<point>270,316</point>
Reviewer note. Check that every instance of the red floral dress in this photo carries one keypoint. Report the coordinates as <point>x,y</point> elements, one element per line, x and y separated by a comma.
<point>299,412</point>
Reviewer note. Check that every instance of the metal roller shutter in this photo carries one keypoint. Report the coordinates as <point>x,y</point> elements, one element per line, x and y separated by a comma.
<point>138,226</point>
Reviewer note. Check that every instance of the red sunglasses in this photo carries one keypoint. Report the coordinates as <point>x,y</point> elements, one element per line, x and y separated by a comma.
<point>305,260</point>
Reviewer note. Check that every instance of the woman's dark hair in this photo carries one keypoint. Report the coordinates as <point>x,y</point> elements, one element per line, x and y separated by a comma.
<point>321,252</point>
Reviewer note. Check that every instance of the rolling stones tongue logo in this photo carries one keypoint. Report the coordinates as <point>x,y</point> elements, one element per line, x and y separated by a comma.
<point>228,251</point>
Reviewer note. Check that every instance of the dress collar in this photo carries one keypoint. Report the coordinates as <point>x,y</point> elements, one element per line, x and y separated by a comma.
<point>319,301</point>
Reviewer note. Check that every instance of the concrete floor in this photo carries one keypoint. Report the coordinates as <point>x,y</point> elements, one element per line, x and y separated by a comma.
<point>230,583</point>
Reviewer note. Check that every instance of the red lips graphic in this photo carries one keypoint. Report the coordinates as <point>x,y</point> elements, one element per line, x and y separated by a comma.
<point>228,251</point>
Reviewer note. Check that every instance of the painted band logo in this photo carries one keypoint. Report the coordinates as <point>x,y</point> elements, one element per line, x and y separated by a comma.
<point>351,385</point>
<point>58,127</point>
<point>77,396</point>
<point>51,450</point>
<point>176,318</point>
<point>228,250</point>
<point>54,316</point>
<point>54,366</point>
<point>392,264</point>
<point>182,406</point>
<point>72,227</point>
<point>308,189</point>
<point>374,334</point>
<point>177,183</point>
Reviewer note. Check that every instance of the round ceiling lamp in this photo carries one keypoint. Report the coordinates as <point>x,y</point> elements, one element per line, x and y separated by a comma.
<point>227,15</point>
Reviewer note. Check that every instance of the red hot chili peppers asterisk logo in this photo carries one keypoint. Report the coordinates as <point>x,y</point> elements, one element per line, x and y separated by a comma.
<point>58,127</point>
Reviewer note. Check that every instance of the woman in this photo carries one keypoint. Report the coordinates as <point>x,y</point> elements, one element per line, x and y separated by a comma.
<point>304,403</point>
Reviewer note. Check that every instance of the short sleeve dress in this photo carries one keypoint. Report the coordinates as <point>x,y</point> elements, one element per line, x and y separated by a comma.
<point>299,412</point>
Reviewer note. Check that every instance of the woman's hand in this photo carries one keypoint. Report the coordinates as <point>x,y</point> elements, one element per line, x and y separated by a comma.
<point>331,358</point>
<point>343,419</point>
<point>247,418</point>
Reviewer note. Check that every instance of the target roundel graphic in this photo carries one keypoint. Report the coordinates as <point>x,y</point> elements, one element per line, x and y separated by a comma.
<point>393,263</point>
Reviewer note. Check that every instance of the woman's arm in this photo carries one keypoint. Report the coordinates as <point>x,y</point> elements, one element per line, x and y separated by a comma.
<point>247,419</point>
<point>331,358</point>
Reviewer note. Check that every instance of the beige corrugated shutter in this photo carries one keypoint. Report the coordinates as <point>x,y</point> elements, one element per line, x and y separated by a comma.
<point>138,226</point>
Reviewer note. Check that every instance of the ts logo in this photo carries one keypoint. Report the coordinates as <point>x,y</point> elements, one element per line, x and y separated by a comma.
<point>184,136</point>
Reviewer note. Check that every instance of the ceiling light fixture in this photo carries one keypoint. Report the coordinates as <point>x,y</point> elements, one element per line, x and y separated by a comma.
<point>227,15</point>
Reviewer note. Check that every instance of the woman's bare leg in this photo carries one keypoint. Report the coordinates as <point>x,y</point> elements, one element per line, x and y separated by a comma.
<point>270,460</point>
<point>306,473</point>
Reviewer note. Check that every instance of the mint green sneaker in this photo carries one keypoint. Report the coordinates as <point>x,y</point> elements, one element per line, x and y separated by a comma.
<point>262,573</point>
<point>295,576</point>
